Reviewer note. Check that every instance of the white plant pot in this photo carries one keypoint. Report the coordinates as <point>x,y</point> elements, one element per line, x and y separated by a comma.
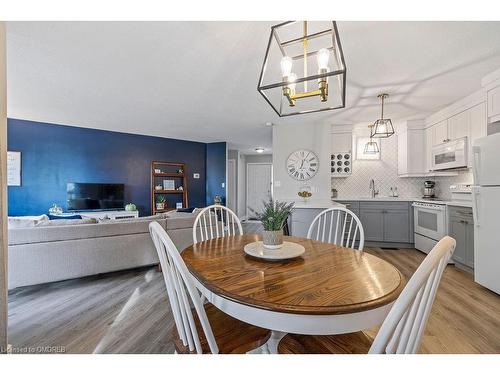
<point>272,239</point>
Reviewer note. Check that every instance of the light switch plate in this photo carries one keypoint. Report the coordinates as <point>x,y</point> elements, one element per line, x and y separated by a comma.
<point>196,175</point>
<point>277,183</point>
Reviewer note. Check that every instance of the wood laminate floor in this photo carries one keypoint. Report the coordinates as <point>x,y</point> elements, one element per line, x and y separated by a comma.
<point>128,312</point>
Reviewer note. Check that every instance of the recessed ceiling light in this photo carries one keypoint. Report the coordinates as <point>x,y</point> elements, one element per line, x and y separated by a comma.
<point>260,150</point>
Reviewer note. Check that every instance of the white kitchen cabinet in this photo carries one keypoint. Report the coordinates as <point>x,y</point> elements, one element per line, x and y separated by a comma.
<point>458,125</point>
<point>411,144</point>
<point>429,142</point>
<point>494,104</point>
<point>478,126</point>
<point>415,150</point>
<point>440,134</point>
<point>341,142</point>
<point>470,123</point>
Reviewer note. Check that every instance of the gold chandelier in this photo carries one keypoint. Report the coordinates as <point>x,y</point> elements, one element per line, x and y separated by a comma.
<point>318,54</point>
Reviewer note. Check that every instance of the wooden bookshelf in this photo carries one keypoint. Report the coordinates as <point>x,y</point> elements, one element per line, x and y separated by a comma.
<point>168,170</point>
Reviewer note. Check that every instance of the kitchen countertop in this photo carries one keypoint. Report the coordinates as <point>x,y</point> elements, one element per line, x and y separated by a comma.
<point>407,199</point>
<point>377,199</point>
<point>317,204</point>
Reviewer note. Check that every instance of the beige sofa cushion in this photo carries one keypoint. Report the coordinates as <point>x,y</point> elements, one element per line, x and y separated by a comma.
<point>180,220</point>
<point>74,232</point>
<point>61,222</point>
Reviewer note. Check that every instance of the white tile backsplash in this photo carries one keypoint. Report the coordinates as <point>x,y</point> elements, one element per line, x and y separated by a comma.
<point>385,174</point>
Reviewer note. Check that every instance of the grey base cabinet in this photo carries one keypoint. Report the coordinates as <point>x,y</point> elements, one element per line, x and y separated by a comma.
<point>302,219</point>
<point>461,228</point>
<point>388,222</point>
<point>385,223</point>
<point>373,224</point>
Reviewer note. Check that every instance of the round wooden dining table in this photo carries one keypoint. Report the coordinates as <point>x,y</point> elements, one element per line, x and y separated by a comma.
<point>328,290</point>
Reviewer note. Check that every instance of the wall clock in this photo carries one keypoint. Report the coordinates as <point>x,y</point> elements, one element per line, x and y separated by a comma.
<point>302,164</point>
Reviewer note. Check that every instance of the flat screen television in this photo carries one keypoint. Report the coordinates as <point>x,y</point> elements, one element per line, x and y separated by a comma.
<point>86,196</point>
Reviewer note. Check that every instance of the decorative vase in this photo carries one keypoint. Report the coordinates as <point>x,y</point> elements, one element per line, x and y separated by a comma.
<point>272,239</point>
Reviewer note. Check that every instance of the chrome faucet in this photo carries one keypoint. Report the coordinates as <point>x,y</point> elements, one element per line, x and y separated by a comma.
<point>372,188</point>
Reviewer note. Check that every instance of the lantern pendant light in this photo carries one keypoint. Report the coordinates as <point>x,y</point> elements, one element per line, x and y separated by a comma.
<point>371,147</point>
<point>382,128</point>
<point>312,77</point>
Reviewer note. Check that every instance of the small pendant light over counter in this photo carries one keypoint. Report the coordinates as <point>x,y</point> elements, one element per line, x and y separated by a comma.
<point>382,128</point>
<point>371,147</point>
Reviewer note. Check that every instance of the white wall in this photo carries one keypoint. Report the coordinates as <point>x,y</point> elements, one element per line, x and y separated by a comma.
<point>243,160</point>
<point>289,138</point>
<point>385,174</point>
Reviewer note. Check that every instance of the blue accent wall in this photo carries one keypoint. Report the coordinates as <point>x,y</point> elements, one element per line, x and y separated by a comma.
<point>53,155</point>
<point>216,171</point>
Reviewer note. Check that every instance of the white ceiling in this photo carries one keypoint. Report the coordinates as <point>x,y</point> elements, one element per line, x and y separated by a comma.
<point>198,80</point>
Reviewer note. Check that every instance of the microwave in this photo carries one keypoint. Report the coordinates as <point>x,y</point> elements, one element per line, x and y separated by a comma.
<point>450,155</point>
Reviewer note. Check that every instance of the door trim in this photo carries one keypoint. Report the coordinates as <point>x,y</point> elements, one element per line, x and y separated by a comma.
<point>3,194</point>
<point>246,182</point>
<point>235,183</point>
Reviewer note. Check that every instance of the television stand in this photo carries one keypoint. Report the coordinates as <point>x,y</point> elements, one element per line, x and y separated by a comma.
<point>113,215</point>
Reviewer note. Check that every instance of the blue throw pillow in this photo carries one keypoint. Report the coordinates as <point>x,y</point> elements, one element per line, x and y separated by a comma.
<point>189,209</point>
<point>69,217</point>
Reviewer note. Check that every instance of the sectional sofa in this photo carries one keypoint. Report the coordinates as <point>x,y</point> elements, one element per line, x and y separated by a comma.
<point>61,249</point>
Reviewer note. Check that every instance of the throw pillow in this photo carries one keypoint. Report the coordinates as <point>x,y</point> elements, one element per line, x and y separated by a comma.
<point>68,217</point>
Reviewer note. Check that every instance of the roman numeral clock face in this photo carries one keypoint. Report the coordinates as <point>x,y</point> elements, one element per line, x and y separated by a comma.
<point>302,165</point>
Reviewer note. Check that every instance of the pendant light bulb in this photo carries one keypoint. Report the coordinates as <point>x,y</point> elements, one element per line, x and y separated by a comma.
<point>286,66</point>
<point>322,57</point>
<point>291,79</point>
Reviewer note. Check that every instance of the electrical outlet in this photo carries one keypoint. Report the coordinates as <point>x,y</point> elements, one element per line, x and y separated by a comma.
<point>277,183</point>
<point>196,175</point>
<point>223,185</point>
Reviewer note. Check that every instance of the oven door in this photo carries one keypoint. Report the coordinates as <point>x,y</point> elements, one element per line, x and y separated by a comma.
<point>450,155</point>
<point>430,221</point>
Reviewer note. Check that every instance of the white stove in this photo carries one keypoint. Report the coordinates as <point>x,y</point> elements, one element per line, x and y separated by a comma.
<point>430,224</point>
<point>430,217</point>
<point>461,193</point>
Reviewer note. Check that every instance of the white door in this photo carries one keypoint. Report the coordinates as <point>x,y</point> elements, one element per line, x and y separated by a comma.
<point>486,201</point>
<point>259,177</point>
<point>231,185</point>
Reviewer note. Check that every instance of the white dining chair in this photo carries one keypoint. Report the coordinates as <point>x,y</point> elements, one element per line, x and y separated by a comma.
<point>203,328</point>
<point>403,328</point>
<point>338,225</point>
<point>215,221</point>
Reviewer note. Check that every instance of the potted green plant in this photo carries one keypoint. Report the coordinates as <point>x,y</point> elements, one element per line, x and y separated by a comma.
<point>130,207</point>
<point>160,202</point>
<point>273,217</point>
